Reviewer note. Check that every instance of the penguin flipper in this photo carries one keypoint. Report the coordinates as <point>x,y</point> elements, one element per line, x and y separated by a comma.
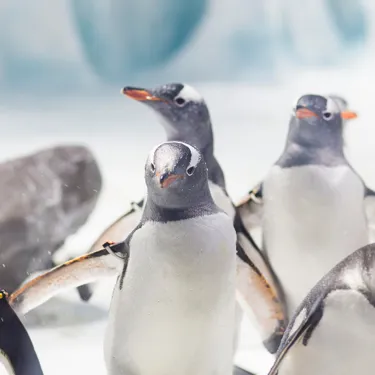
<point>117,231</point>
<point>261,298</point>
<point>17,352</point>
<point>71,274</point>
<point>250,208</point>
<point>300,328</point>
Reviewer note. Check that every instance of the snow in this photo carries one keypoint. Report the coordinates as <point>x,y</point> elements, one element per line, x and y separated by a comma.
<point>250,124</point>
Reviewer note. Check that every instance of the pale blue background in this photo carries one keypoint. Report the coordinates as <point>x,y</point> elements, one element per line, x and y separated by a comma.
<point>76,45</point>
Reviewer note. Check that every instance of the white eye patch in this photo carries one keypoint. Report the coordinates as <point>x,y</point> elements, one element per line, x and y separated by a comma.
<point>332,106</point>
<point>195,154</point>
<point>341,102</point>
<point>151,155</point>
<point>188,93</point>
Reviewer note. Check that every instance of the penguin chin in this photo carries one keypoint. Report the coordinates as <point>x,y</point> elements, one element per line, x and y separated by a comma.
<point>172,197</point>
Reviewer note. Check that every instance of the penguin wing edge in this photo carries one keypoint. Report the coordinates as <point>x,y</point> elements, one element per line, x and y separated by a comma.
<point>260,298</point>
<point>116,232</point>
<point>118,229</point>
<point>71,274</point>
<point>250,208</point>
<point>300,328</point>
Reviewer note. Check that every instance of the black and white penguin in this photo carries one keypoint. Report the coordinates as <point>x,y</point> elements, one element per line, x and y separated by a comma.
<point>173,307</point>
<point>258,291</point>
<point>186,118</point>
<point>17,352</point>
<point>313,207</point>
<point>333,330</point>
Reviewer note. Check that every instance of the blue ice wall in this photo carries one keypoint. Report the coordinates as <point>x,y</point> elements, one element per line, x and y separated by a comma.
<point>79,43</point>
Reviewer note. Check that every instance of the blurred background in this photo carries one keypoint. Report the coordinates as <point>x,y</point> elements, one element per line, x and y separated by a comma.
<point>63,64</point>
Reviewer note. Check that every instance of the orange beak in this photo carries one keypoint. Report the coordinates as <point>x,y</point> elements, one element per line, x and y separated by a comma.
<point>348,115</point>
<point>167,179</point>
<point>305,113</point>
<point>139,94</point>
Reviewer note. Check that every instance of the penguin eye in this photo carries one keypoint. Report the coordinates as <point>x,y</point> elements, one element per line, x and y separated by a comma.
<point>327,115</point>
<point>180,102</point>
<point>152,166</point>
<point>190,171</point>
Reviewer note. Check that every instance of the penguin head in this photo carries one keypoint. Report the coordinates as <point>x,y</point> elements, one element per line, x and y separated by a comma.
<point>183,111</point>
<point>317,121</point>
<point>176,175</point>
<point>340,101</point>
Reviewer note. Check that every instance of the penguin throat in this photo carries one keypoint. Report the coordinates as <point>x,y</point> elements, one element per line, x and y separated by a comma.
<point>202,139</point>
<point>164,211</point>
<point>298,154</point>
<point>198,135</point>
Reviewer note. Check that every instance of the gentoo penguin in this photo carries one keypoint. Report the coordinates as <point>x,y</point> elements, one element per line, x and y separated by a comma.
<point>312,204</point>
<point>186,118</point>
<point>17,352</point>
<point>173,306</point>
<point>333,330</point>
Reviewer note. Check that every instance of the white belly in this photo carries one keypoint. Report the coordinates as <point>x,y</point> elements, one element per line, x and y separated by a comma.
<point>175,313</point>
<point>313,217</point>
<point>222,200</point>
<point>225,203</point>
<point>342,343</point>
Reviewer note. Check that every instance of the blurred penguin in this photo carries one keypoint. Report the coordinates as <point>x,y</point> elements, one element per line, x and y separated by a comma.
<point>313,207</point>
<point>333,330</point>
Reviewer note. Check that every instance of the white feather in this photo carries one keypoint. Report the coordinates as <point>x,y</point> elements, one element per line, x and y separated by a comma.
<point>341,344</point>
<point>188,93</point>
<point>221,199</point>
<point>332,106</point>
<point>313,218</point>
<point>176,310</point>
<point>353,279</point>
<point>298,321</point>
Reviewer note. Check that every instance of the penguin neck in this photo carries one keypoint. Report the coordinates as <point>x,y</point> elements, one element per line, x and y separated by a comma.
<point>299,153</point>
<point>205,144</point>
<point>203,205</point>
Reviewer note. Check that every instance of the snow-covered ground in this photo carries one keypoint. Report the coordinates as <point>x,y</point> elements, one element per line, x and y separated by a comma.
<point>250,124</point>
